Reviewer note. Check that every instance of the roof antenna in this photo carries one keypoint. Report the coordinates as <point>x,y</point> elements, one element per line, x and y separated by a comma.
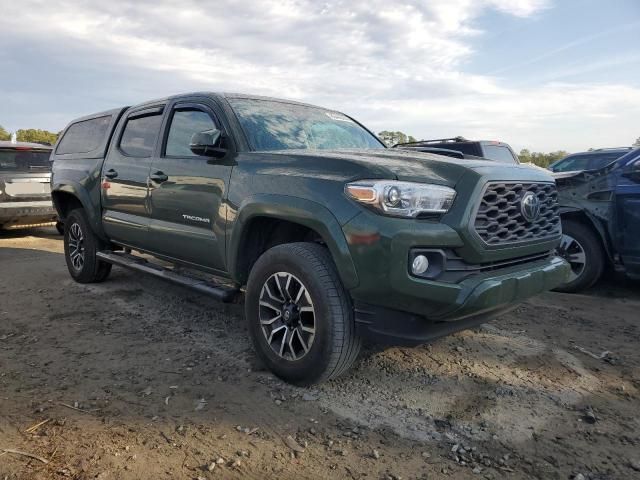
<point>14,138</point>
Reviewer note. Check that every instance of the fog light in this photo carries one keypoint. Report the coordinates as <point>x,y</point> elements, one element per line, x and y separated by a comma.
<point>419,265</point>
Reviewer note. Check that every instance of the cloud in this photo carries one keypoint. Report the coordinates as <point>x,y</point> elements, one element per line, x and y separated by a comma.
<point>394,65</point>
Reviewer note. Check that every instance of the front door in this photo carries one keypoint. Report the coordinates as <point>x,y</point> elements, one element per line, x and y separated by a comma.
<point>125,176</point>
<point>187,191</point>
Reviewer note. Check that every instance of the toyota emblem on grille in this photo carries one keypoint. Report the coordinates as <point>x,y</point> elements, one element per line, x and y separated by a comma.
<point>530,206</point>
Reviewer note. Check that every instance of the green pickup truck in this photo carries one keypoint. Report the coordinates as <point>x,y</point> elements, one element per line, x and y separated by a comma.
<point>332,237</point>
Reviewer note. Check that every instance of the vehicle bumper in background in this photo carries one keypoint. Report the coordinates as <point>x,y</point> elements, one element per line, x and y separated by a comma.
<point>21,214</point>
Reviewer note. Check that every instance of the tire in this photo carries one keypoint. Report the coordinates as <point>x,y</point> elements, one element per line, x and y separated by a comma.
<point>294,354</point>
<point>80,248</point>
<point>60,227</point>
<point>582,248</point>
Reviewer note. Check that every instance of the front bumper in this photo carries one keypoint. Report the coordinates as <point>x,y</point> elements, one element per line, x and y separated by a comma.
<point>457,306</point>
<point>16,214</point>
<point>390,302</point>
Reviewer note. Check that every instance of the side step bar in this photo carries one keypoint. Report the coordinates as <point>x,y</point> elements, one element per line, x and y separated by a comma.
<point>220,292</point>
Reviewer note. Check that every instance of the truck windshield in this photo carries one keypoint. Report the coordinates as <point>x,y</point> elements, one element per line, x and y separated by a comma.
<point>271,125</point>
<point>24,160</point>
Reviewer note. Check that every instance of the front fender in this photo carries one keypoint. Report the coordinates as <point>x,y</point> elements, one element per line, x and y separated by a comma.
<point>297,210</point>
<point>593,221</point>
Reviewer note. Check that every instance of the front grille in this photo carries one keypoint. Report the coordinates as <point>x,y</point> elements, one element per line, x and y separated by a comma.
<point>500,217</point>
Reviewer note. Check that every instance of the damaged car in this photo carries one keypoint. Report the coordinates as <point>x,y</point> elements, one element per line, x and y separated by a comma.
<point>600,212</point>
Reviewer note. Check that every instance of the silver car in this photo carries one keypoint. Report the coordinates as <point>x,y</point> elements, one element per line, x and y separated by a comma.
<point>25,173</point>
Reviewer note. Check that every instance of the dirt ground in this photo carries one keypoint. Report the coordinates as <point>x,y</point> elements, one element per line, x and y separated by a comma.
<point>136,378</point>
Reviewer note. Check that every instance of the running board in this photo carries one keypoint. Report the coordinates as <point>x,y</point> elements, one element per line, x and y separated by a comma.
<point>220,292</point>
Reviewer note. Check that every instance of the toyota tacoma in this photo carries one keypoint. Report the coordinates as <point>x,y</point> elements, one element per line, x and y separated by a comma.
<point>330,237</point>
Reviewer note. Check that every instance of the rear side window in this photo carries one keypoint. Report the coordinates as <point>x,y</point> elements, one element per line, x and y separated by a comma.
<point>84,137</point>
<point>140,135</point>
<point>183,125</point>
<point>499,153</point>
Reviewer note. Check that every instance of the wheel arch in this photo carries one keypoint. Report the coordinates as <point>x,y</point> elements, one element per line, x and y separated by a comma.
<point>301,219</point>
<point>70,196</point>
<point>592,222</point>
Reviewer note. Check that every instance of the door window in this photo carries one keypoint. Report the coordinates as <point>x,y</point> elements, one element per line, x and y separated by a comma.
<point>139,136</point>
<point>183,125</point>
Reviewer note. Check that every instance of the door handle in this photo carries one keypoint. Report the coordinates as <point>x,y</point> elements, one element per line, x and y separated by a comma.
<point>158,177</point>
<point>111,173</point>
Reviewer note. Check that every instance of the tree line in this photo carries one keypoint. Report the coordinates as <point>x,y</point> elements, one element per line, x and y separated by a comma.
<point>541,159</point>
<point>33,135</point>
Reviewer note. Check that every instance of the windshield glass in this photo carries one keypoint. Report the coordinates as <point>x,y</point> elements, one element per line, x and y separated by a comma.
<point>585,162</point>
<point>272,125</point>
<point>24,160</point>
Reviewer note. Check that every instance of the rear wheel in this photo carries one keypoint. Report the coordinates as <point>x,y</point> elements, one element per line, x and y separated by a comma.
<point>299,314</point>
<point>582,249</point>
<point>80,248</point>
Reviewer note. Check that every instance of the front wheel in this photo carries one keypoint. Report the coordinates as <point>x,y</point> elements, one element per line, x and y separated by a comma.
<point>582,249</point>
<point>300,316</point>
<point>80,248</point>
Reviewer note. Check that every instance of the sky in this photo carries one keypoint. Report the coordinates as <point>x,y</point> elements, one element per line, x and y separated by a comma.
<point>539,74</point>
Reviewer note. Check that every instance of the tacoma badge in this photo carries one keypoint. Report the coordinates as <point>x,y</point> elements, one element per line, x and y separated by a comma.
<point>195,219</point>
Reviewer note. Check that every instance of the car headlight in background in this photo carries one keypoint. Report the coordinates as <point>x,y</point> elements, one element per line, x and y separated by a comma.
<point>402,199</point>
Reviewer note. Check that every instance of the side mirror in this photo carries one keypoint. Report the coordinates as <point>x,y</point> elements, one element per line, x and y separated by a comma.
<point>633,171</point>
<point>208,144</point>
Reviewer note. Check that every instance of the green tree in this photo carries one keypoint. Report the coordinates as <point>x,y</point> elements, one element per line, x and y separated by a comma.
<point>541,159</point>
<point>392,138</point>
<point>36,136</point>
<point>525,155</point>
<point>4,135</point>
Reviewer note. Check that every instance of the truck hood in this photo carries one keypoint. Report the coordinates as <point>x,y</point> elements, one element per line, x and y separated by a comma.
<point>350,164</point>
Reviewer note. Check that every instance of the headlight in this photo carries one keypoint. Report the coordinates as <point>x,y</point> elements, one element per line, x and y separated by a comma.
<point>402,199</point>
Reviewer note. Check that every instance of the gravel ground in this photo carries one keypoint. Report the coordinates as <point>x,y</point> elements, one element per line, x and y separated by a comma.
<point>136,378</point>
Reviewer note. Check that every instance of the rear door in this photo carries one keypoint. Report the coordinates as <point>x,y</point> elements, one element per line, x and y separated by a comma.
<point>125,175</point>
<point>187,191</point>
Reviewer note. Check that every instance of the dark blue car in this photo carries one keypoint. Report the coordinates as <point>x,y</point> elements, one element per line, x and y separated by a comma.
<point>600,210</point>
